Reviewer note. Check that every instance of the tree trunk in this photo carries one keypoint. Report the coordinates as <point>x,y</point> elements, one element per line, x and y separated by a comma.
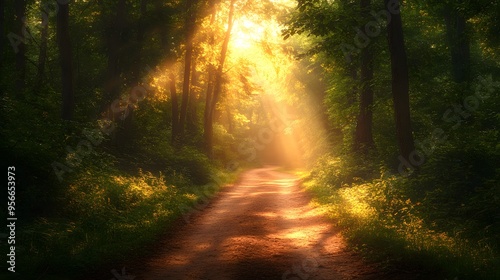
<point>207,120</point>
<point>20,11</point>
<point>363,136</point>
<point>113,33</point>
<point>192,118</point>
<point>175,110</point>
<point>230,126</point>
<point>353,73</point>
<point>66,60</point>
<point>400,84</point>
<point>458,40</point>
<point>163,29</point>
<point>186,84</point>
<point>2,35</point>
<point>42,54</point>
<point>218,81</point>
<point>223,54</point>
<point>189,25</point>
<point>141,30</point>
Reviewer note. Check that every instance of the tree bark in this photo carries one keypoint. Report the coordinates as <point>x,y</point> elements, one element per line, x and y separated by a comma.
<point>20,11</point>
<point>192,118</point>
<point>141,30</point>
<point>458,40</point>
<point>223,54</point>
<point>363,136</point>
<point>400,84</point>
<point>164,29</point>
<point>189,25</point>
<point>207,119</point>
<point>175,110</point>
<point>2,35</point>
<point>66,61</point>
<point>218,82</point>
<point>42,54</point>
<point>113,35</point>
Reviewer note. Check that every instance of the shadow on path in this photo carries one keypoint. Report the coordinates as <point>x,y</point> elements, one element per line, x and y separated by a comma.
<point>261,228</point>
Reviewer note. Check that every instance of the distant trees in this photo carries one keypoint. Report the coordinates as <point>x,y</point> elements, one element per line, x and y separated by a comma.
<point>349,42</point>
<point>361,69</point>
<point>101,50</point>
<point>2,35</point>
<point>66,61</point>
<point>42,54</point>
<point>114,36</point>
<point>176,130</point>
<point>20,49</point>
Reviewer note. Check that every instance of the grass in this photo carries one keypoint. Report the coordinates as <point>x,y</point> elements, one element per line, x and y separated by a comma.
<point>379,219</point>
<point>108,216</point>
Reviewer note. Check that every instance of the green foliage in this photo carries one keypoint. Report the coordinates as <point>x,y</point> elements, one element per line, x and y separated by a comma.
<point>127,188</point>
<point>107,215</point>
<point>194,164</point>
<point>400,221</point>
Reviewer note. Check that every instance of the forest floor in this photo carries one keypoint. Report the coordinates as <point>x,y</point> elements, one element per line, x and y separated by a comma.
<point>260,228</point>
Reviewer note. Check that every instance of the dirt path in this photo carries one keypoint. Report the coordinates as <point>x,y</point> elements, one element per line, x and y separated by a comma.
<point>261,228</point>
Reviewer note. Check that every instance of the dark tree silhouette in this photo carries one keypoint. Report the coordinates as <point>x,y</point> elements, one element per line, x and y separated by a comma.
<point>363,135</point>
<point>20,22</point>
<point>66,61</point>
<point>400,81</point>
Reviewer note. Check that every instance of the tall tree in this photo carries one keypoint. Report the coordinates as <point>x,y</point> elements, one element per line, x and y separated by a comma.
<point>114,44</point>
<point>458,40</point>
<point>207,117</point>
<point>2,32</point>
<point>363,135</point>
<point>192,118</point>
<point>141,30</point>
<point>20,20</point>
<point>207,127</point>
<point>400,80</point>
<point>217,86</point>
<point>165,32</point>
<point>175,110</point>
<point>42,54</point>
<point>66,61</point>
<point>189,25</point>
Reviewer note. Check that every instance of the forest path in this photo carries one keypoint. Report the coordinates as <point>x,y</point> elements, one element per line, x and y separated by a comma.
<point>260,228</point>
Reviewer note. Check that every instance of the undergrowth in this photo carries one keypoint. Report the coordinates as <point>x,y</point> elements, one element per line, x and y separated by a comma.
<point>382,217</point>
<point>108,215</point>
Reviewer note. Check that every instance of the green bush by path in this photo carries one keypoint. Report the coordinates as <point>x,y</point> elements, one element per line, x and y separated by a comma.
<point>108,216</point>
<point>382,218</point>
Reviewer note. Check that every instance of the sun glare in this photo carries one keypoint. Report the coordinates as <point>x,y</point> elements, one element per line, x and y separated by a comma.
<point>294,135</point>
<point>247,33</point>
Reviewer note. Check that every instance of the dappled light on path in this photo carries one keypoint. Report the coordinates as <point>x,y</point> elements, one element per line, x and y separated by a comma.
<point>261,228</point>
